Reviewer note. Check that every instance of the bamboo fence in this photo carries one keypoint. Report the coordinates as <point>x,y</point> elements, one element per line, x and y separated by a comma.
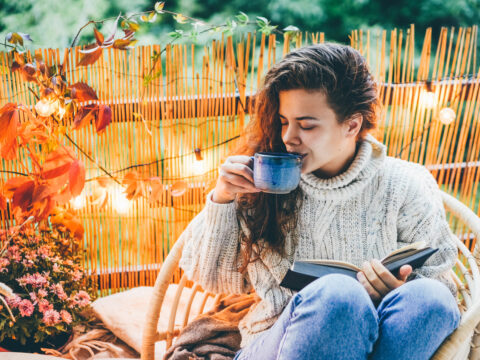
<point>157,127</point>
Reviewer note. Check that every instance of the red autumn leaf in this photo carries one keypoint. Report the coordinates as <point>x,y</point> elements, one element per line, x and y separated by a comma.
<point>8,131</point>
<point>28,72</point>
<point>14,183</point>
<point>98,36</point>
<point>22,197</point>
<point>104,118</point>
<point>58,163</point>
<point>90,57</point>
<point>3,203</point>
<point>41,192</point>
<point>84,115</point>
<point>83,92</point>
<point>157,189</point>
<point>43,210</point>
<point>63,196</point>
<point>76,177</point>
<point>15,66</point>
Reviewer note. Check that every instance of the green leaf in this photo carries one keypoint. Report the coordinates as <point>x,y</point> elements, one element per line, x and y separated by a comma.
<point>159,6</point>
<point>262,21</point>
<point>242,18</point>
<point>177,34</point>
<point>291,28</point>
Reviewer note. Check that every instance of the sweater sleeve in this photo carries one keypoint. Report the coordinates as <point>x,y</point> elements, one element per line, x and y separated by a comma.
<point>212,249</point>
<point>422,218</point>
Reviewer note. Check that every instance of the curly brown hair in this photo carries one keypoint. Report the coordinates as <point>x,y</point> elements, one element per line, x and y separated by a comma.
<point>342,74</point>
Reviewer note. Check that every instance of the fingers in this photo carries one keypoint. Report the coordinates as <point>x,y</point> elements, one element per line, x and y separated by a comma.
<point>379,281</point>
<point>404,272</point>
<point>385,275</point>
<point>372,292</point>
<point>240,165</point>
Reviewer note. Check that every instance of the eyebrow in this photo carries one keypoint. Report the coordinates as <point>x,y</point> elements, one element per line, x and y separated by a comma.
<point>300,117</point>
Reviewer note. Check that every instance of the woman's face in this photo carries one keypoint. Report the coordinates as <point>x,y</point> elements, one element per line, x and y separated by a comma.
<point>310,128</point>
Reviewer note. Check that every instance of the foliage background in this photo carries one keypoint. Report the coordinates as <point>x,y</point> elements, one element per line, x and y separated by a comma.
<point>54,23</point>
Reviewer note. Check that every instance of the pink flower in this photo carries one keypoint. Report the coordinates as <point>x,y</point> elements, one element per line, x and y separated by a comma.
<point>66,317</point>
<point>58,290</point>
<point>42,293</point>
<point>51,317</point>
<point>4,262</point>
<point>36,280</point>
<point>81,298</point>
<point>77,275</point>
<point>25,307</point>
<point>34,297</point>
<point>44,306</point>
<point>14,302</point>
<point>44,251</point>
<point>56,268</point>
<point>13,253</point>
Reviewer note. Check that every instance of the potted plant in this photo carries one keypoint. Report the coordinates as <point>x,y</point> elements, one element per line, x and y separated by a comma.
<point>44,286</point>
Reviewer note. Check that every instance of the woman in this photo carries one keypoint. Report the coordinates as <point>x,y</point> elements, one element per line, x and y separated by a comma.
<point>353,203</point>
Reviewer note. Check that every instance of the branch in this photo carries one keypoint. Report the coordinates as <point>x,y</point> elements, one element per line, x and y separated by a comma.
<point>92,159</point>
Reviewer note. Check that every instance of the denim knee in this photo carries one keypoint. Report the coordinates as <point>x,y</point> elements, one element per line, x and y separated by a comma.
<point>431,299</point>
<point>340,292</point>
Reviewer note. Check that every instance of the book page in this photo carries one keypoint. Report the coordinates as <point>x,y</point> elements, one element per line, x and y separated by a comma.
<point>405,250</point>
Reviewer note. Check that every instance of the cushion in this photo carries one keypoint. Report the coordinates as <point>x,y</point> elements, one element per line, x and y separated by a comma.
<point>124,313</point>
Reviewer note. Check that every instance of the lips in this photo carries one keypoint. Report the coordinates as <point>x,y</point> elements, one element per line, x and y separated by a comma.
<point>297,153</point>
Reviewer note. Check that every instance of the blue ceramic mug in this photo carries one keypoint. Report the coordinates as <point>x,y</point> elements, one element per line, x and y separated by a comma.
<point>276,173</point>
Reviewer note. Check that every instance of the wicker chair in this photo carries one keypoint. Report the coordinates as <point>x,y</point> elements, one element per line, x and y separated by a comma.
<point>464,343</point>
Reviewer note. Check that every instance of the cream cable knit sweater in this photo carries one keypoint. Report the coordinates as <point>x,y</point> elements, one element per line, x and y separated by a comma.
<point>378,205</point>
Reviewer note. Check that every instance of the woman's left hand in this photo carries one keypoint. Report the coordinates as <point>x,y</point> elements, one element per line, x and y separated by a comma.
<point>378,281</point>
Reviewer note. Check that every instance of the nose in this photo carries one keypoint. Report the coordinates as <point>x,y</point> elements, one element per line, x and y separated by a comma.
<point>290,135</point>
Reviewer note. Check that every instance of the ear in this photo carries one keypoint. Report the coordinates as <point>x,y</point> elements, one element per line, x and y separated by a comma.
<point>353,125</point>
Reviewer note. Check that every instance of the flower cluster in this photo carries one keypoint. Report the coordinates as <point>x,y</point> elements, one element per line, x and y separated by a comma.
<point>42,267</point>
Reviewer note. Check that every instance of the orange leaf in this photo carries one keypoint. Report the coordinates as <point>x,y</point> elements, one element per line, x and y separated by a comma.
<point>98,36</point>
<point>28,72</point>
<point>121,44</point>
<point>8,131</point>
<point>104,118</point>
<point>91,57</point>
<point>83,92</point>
<point>76,177</point>
<point>84,115</point>
<point>135,187</point>
<point>157,189</point>
<point>179,188</point>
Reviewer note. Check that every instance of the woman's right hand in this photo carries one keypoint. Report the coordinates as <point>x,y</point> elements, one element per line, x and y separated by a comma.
<point>235,176</point>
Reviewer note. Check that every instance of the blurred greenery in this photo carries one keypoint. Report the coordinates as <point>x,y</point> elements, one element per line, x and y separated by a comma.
<point>54,23</point>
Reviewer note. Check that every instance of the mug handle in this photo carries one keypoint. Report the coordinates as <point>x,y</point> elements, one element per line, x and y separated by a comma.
<point>253,162</point>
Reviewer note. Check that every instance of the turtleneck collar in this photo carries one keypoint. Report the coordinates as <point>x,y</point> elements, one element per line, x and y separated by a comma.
<point>368,160</point>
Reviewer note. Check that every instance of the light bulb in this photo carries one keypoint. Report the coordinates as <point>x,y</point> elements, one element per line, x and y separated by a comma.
<point>45,107</point>
<point>79,201</point>
<point>447,116</point>
<point>198,167</point>
<point>119,201</point>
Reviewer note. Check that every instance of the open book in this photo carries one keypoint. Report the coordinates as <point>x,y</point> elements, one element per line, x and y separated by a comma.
<point>304,272</point>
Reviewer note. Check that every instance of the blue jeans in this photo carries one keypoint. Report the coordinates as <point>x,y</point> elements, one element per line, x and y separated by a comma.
<point>334,318</point>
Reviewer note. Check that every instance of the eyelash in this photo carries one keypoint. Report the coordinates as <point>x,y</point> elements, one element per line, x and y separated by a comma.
<point>303,128</point>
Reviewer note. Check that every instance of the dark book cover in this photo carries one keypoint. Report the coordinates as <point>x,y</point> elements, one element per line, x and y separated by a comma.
<point>303,273</point>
